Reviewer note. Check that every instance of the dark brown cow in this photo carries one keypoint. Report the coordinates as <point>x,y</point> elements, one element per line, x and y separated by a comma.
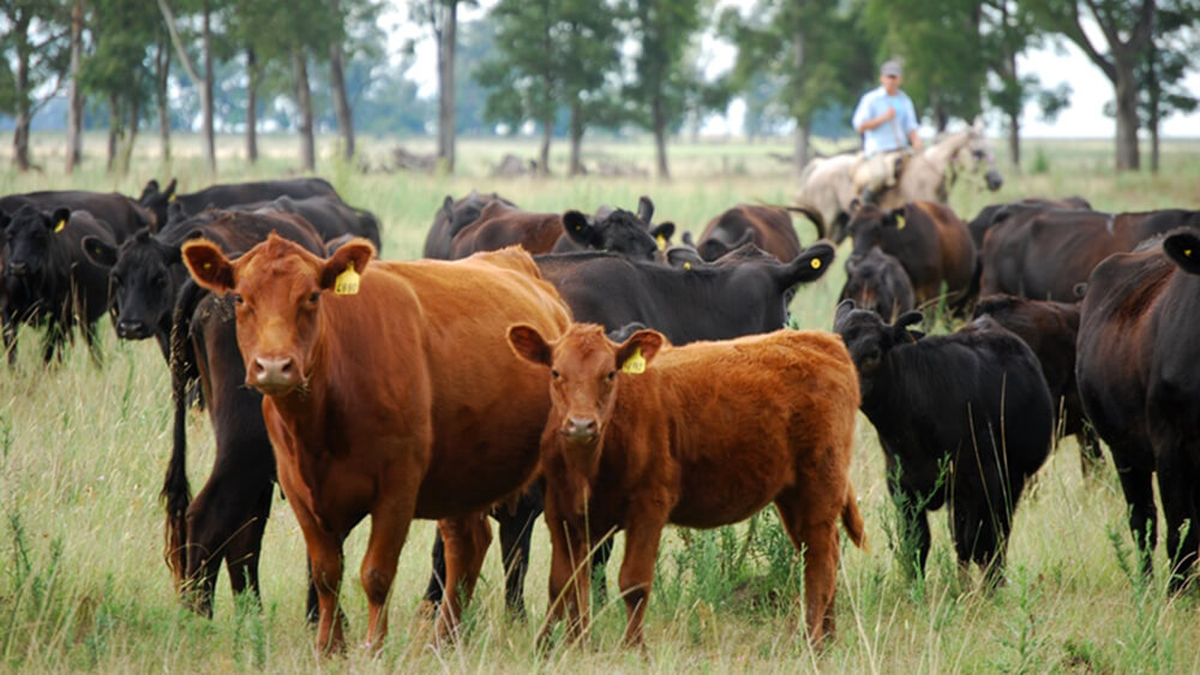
<point>1046,254</point>
<point>501,224</point>
<point>1139,346</point>
<point>379,393</point>
<point>931,243</point>
<point>878,282</point>
<point>639,436</point>
<point>452,217</point>
<point>997,213</point>
<point>1050,329</point>
<point>770,229</point>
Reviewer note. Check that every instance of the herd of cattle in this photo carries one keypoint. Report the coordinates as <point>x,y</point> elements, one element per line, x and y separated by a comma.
<point>584,366</point>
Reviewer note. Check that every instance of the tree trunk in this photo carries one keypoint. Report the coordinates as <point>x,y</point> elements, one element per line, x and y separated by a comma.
<point>576,137</point>
<point>1155,95</point>
<point>1127,118</point>
<point>543,168</point>
<point>252,76</point>
<point>114,132</point>
<point>800,144</point>
<point>341,106</point>
<point>130,138</point>
<point>206,96</point>
<point>308,153</point>
<point>659,122</point>
<point>22,93</point>
<point>162,62</point>
<point>74,95</point>
<point>447,47</point>
<point>1014,139</point>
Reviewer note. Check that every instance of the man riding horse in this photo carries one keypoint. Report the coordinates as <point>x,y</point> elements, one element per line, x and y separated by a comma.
<point>888,122</point>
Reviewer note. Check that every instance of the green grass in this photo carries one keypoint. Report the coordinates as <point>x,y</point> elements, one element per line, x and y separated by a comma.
<point>83,450</point>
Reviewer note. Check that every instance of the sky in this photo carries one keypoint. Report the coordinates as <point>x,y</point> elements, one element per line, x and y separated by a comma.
<point>1053,65</point>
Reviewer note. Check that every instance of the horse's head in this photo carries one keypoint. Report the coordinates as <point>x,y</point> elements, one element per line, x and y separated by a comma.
<point>976,153</point>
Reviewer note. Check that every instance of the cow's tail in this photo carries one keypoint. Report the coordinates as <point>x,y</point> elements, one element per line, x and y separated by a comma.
<point>852,519</point>
<point>176,494</point>
<point>813,215</point>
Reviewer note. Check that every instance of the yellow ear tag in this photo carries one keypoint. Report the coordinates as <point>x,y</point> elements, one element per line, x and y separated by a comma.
<point>346,282</point>
<point>636,364</point>
<point>662,242</point>
<point>59,227</point>
<point>687,265</point>
<point>208,266</point>
<point>171,198</point>
<point>816,263</point>
<point>1187,252</point>
<point>901,221</point>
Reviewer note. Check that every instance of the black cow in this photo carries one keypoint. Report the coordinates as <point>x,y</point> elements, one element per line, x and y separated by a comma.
<point>226,520</point>
<point>123,215</point>
<point>222,196</point>
<point>47,279</point>
<point>1139,346</point>
<point>631,234</point>
<point>147,270</point>
<point>997,213</point>
<point>329,216</point>
<point>747,293</point>
<point>1050,329</point>
<point>962,418</point>
<point>452,217</point>
<point>878,282</point>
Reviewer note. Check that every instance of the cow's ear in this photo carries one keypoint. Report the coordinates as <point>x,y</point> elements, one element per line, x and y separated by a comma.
<point>58,219</point>
<point>343,267</point>
<point>687,239</point>
<point>208,266</point>
<point>896,218</point>
<point>448,205</point>
<point>529,344</point>
<point>712,249</point>
<point>645,210</point>
<point>169,193</point>
<point>579,229</point>
<point>99,251</point>
<point>809,265</point>
<point>639,350</point>
<point>662,234</point>
<point>682,256</point>
<point>5,219</point>
<point>1184,249</point>
<point>843,312</point>
<point>900,328</point>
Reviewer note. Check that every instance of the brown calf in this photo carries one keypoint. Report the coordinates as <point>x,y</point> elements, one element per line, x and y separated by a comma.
<point>394,396</point>
<point>703,435</point>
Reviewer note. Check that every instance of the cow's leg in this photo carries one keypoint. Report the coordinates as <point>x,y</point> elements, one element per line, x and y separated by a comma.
<point>10,339</point>
<point>1177,484</point>
<point>1139,495</point>
<point>516,531</point>
<point>435,589</point>
<point>390,520</point>
<point>89,337</point>
<point>810,519</point>
<point>325,553</point>
<point>466,538</point>
<point>1091,459</point>
<point>642,536</point>
<point>599,572</point>
<point>569,575</point>
<point>244,547</point>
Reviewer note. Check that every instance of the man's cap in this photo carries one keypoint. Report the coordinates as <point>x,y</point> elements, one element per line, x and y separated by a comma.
<point>890,68</point>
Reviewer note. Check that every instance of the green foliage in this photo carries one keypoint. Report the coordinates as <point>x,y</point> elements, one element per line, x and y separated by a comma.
<point>1041,163</point>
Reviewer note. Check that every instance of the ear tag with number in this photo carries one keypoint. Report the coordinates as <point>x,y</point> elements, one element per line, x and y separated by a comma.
<point>901,221</point>
<point>59,227</point>
<point>662,242</point>
<point>636,364</point>
<point>346,282</point>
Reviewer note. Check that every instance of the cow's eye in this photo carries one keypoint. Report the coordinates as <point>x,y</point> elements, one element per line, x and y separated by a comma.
<point>612,376</point>
<point>314,297</point>
<point>160,280</point>
<point>554,373</point>
<point>237,298</point>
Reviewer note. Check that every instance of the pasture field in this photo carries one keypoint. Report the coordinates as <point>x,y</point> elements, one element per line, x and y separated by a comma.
<point>83,450</point>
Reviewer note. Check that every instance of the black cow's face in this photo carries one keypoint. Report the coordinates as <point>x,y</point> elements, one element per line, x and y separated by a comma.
<point>620,232</point>
<point>29,240</point>
<point>868,338</point>
<point>877,282</point>
<point>869,226</point>
<point>145,275</point>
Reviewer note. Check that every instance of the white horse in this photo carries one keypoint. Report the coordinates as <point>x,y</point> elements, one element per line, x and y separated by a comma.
<point>827,183</point>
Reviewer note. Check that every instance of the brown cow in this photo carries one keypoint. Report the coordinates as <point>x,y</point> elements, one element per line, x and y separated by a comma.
<point>634,442</point>
<point>501,224</point>
<point>770,229</point>
<point>932,244</point>
<point>378,394</point>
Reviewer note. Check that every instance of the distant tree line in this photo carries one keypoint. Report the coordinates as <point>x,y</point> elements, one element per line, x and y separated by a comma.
<point>564,67</point>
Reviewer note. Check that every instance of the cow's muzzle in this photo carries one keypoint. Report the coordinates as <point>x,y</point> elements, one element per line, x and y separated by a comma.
<point>132,330</point>
<point>273,376</point>
<point>580,429</point>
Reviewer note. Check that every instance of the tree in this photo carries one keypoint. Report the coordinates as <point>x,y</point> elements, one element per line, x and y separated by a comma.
<point>75,92</point>
<point>1168,58</point>
<point>814,51</point>
<point>37,43</point>
<point>203,84</point>
<point>1127,27</point>
<point>661,29</point>
<point>441,16</point>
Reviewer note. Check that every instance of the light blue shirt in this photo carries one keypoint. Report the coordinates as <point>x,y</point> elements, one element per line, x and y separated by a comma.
<point>893,134</point>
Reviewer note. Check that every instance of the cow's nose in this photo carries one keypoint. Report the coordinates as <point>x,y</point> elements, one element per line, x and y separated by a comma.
<point>131,329</point>
<point>580,427</point>
<point>276,371</point>
<point>18,268</point>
